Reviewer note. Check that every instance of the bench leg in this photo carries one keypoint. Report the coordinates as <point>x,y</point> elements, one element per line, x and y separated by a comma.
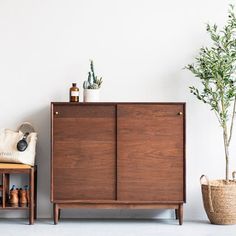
<point>35,193</point>
<point>31,203</point>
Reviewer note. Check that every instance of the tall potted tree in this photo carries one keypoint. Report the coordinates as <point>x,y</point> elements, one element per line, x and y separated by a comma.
<point>215,67</point>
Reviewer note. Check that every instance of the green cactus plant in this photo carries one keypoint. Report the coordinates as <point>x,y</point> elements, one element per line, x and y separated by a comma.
<point>92,82</point>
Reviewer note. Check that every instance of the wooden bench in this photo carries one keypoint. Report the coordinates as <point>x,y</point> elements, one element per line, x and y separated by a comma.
<point>5,170</point>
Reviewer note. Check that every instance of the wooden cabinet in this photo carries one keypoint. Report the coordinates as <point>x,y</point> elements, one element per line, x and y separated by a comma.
<point>118,155</point>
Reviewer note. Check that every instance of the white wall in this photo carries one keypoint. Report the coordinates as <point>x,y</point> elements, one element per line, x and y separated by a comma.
<point>139,47</point>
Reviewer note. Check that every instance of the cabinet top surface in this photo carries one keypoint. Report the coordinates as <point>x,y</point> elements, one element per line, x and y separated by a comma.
<point>114,103</point>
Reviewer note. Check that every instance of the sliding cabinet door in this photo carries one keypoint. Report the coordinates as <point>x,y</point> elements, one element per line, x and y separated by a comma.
<point>84,152</point>
<point>150,152</point>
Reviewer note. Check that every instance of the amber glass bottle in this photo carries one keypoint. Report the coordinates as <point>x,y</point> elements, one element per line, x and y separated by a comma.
<point>74,93</point>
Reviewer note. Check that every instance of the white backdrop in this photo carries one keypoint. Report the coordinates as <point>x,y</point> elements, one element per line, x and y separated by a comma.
<point>139,47</point>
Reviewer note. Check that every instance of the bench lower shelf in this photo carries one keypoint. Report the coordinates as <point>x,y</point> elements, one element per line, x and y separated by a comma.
<point>13,208</point>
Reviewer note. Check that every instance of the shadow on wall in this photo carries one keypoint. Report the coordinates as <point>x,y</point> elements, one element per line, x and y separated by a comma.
<point>173,86</point>
<point>41,122</point>
<point>118,214</point>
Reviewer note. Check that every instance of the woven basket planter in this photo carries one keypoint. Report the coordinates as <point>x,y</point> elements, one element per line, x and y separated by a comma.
<point>219,199</point>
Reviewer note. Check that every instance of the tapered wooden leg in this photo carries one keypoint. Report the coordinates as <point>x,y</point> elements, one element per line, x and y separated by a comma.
<point>176,214</point>
<point>31,203</point>
<point>35,193</point>
<point>56,213</point>
<point>180,214</point>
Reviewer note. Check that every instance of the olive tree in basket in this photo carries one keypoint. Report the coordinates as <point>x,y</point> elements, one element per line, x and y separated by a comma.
<point>215,67</point>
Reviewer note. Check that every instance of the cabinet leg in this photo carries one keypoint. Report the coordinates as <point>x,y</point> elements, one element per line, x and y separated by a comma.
<point>176,214</point>
<point>31,202</point>
<point>180,214</point>
<point>55,213</point>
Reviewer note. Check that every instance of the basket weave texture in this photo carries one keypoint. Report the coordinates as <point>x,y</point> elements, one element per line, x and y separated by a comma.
<point>219,199</point>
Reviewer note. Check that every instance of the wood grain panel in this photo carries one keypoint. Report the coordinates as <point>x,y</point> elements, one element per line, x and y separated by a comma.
<point>83,111</point>
<point>84,152</point>
<point>150,152</point>
<point>84,129</point>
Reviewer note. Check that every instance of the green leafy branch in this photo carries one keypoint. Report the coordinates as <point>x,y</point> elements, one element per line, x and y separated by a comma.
<point>215,66</point>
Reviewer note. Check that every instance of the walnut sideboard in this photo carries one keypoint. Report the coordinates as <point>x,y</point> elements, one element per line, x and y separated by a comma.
<point>118,155</point>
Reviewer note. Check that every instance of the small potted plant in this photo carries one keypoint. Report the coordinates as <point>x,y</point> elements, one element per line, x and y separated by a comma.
<point>215,67</point>
<point>92,86</point>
